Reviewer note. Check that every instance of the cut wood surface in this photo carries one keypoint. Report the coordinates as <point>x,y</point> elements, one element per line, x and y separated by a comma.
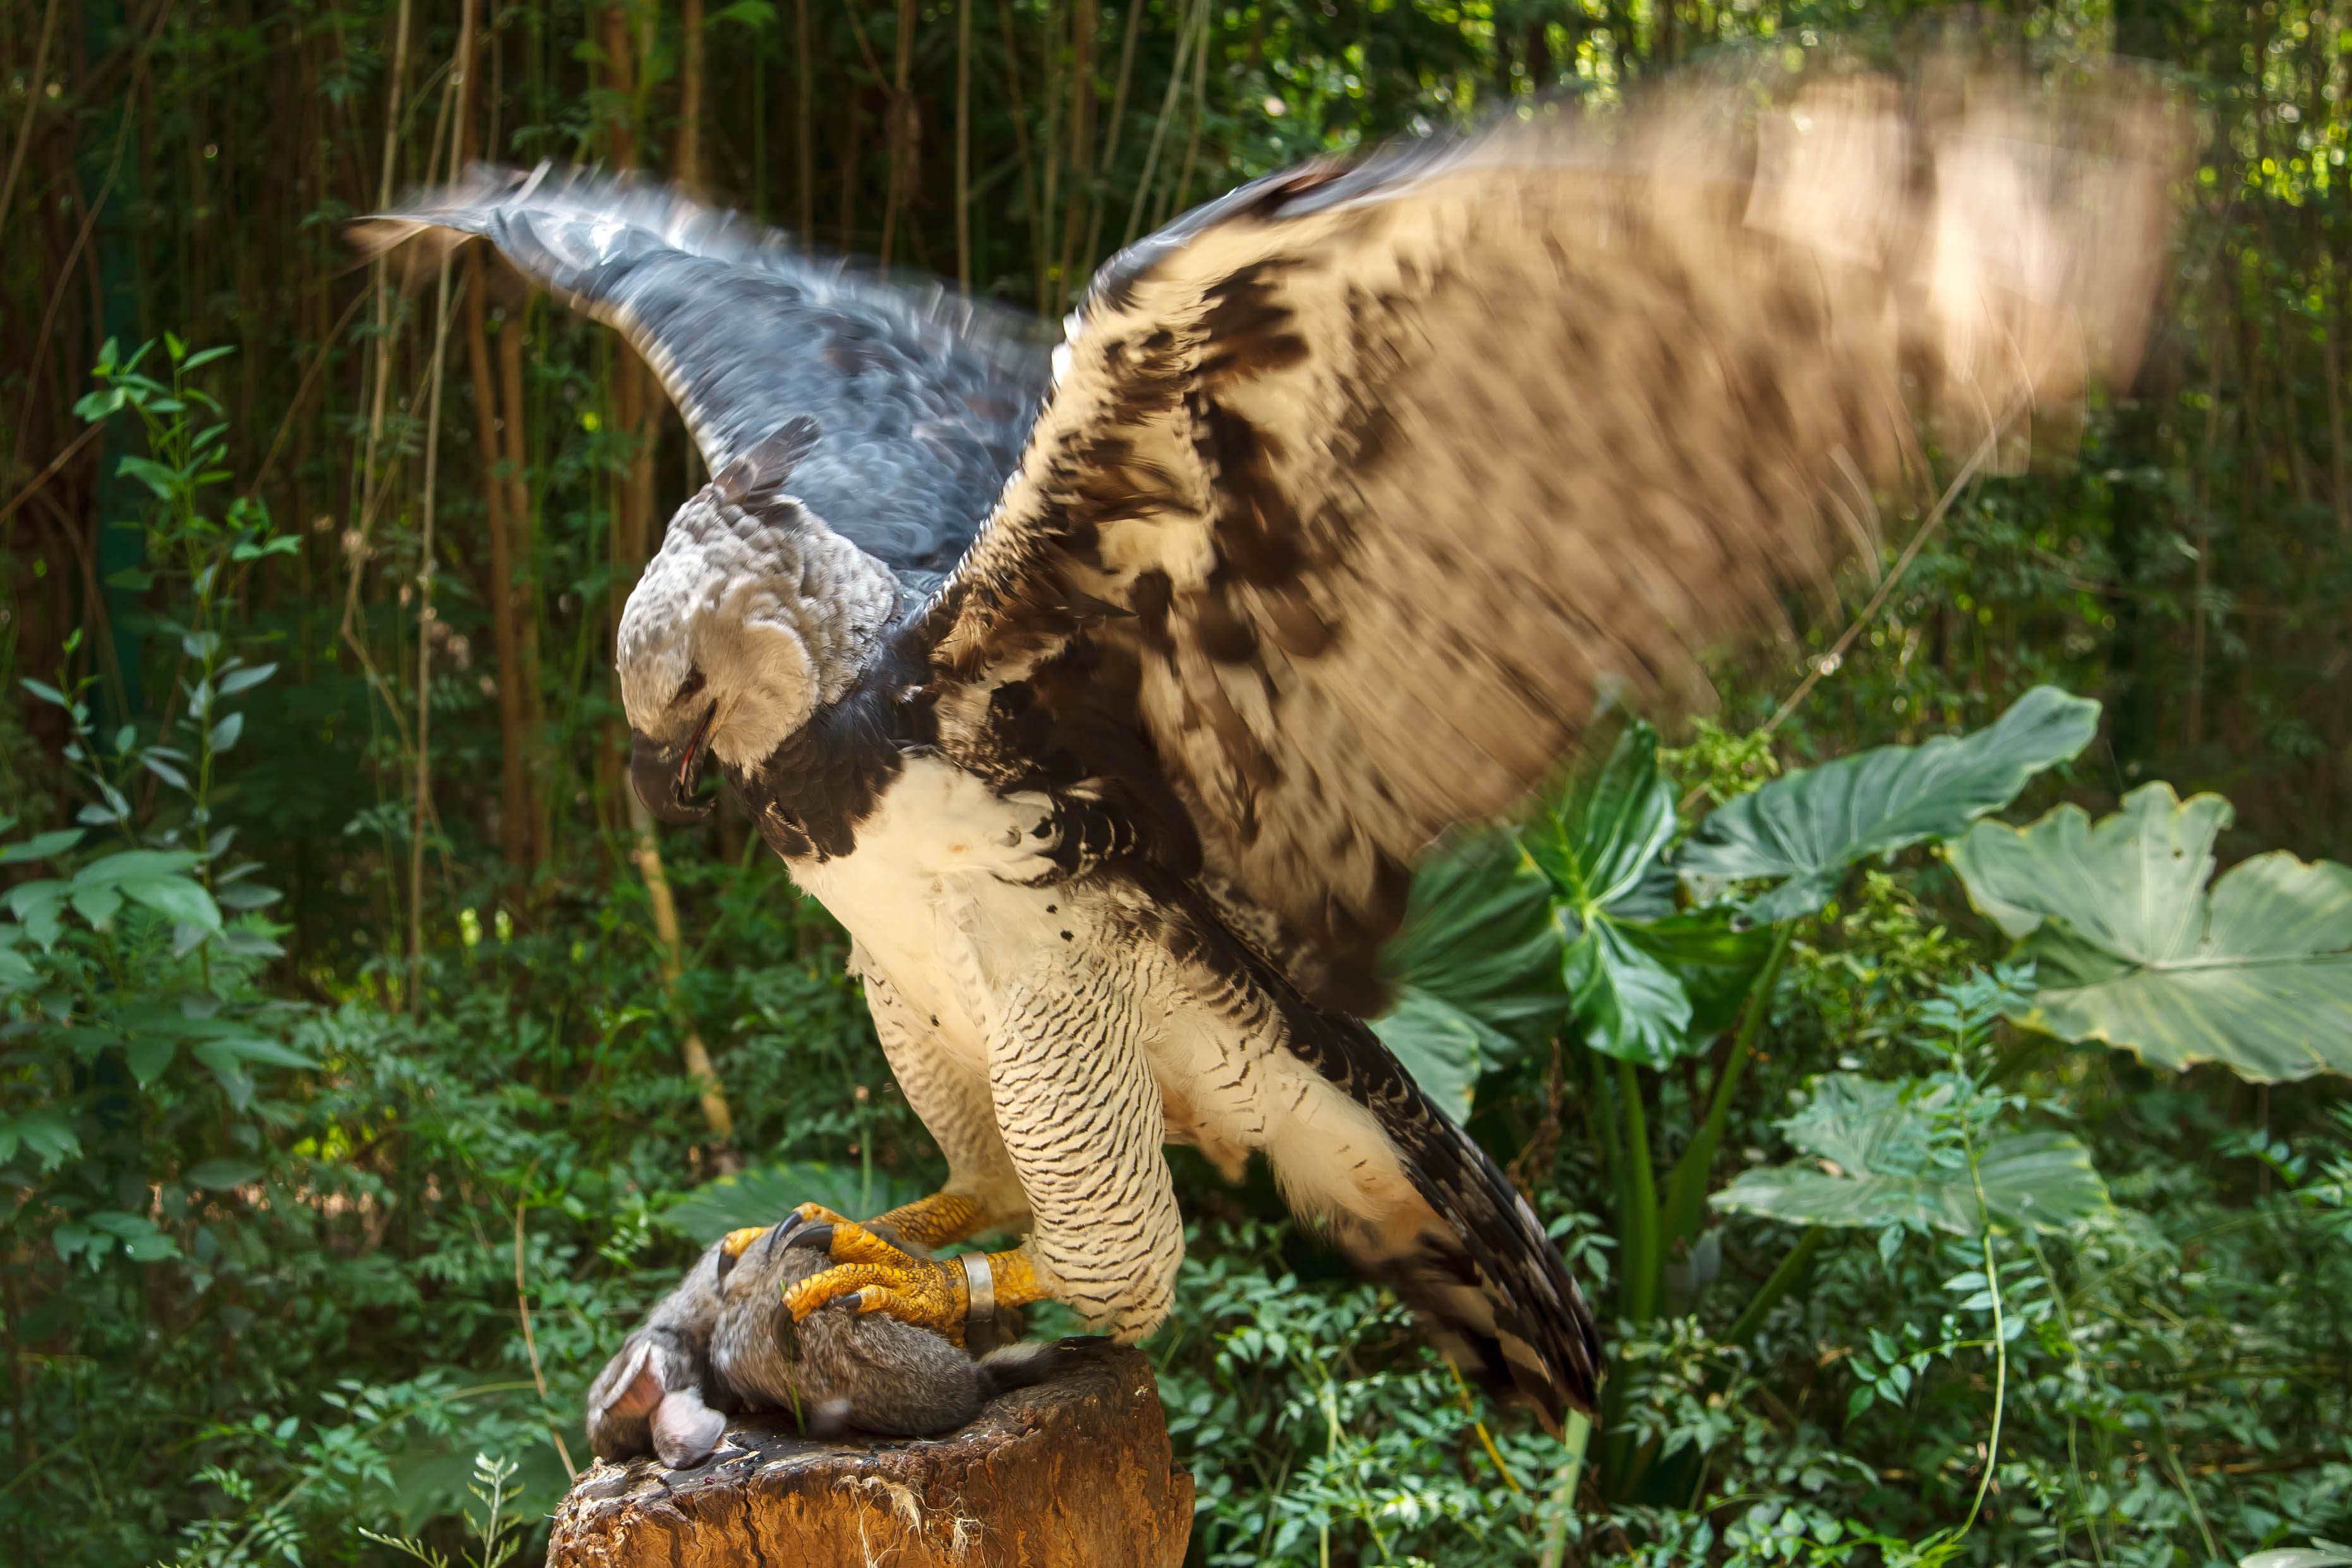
<point>1073,1473</point>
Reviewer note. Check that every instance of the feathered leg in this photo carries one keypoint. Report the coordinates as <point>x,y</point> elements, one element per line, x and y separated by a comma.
<point>1082,1122</point>
<point>984,1190</point>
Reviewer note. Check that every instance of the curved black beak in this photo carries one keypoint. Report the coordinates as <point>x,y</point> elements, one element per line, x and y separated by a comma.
<point>665,776</point>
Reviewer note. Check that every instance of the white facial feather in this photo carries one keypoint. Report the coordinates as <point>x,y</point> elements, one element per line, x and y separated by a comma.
<point>776,610</point>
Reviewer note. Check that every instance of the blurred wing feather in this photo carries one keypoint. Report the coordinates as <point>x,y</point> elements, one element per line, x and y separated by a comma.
<point>921,398</point>
<point>1360,486</point>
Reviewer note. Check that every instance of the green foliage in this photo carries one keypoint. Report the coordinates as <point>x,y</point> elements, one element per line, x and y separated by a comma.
<point>1807,828</point>
<point>1476,960</point>
<point>764,1193</point>
<point>2256,974</point>
<point>1876,1163</point>
<point>271,1215</point>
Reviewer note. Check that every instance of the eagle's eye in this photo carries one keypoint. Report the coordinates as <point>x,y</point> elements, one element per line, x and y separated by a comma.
<point>691,686</point>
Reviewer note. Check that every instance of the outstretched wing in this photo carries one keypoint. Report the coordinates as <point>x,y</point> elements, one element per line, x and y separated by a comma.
<point>1359,487</point>
<point>921,398</point>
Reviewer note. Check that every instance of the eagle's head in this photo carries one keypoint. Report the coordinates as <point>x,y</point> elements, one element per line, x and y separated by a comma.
<point>752,615</point>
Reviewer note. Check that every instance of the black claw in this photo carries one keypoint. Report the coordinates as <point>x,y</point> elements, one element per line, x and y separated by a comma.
<point>814,1235</point>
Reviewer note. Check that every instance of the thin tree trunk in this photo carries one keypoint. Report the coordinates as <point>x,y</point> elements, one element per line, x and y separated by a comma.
<point>1049,98</point>
<point>453,96</point>
<point>686,167</point>
<point>33,100</point>
<point>963,146</point>
<point>502,599</point>
<point>637,409</point>
<point>2332,319</point>
<point>904,124</point>
<point>805,107</point>
<point>620,78</point>
<point>524,594</point>
<point>1131,28</point>
<point>1086,14</point>
<point>1021,136</point>
<point>849,171</point>
<point>715,1109</point>
<point>514,774</point>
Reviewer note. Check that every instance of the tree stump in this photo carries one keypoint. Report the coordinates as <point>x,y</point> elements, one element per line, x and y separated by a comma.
<point>1073,1473</point>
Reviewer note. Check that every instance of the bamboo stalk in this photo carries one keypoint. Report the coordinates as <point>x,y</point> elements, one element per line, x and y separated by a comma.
<point>453,97</point>
<point>902,126</point>
<point>1159,126</point>
<point>524,593</point>
<point>371,487</point>
<point>686,167</point>
<point>698,1066</point>
<point>1085,16</point>
<point>502,599</point>
<point>1021,136</point>
<point>805,107</point>
<point>514,784</point>
<point>33,100</point>
<point>1049,162</point>
<point>962,146</point>
<point>1131,28</point>
<point>1200,110</point>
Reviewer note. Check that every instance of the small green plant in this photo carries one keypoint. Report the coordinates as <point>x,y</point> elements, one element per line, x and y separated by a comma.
<point>495,1537</point>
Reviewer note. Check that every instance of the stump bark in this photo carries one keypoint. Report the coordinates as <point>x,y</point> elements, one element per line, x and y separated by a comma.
<point>1073,1473</point>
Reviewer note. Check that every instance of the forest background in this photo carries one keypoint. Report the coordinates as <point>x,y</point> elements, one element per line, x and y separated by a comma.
<point>369,1066</point>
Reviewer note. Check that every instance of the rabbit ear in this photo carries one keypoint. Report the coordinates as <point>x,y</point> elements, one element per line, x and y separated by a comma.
<point>685,1430</point>
<point>638,1390</point>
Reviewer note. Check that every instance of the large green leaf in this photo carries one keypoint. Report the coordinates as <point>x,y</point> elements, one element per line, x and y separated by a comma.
<point>1806,828</point>
<point>2134,951</point>
<point>1478,933</point>
<point>1717,961</point>
<point>1441,1046</point>
<point>1600,848</point>
<point>765,1194</point>
<point>1476,958</point>
<point>1875,1163</point>
<point>1629,1005</point>
<point>2320,1554</point>
<point>1599,845</point>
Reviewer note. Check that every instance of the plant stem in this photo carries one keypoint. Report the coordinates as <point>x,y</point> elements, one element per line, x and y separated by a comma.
<point>1776,1286</point>
<point>1685,1204</point>
<point>1563,1490</point>
<point>1640,1297</point>
<point>2000,1339</point>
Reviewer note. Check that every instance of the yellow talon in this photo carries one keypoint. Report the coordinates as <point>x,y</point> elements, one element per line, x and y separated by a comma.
<point>936,1220</point>
<point>735,1242</point>
<point>872,1275</point>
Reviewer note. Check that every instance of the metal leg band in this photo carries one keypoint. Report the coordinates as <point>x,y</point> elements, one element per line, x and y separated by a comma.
<point>979,1280</point>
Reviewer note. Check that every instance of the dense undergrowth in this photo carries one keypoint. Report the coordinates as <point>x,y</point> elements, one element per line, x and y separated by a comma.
<point>345,1123</point>
<point>285,1258</point>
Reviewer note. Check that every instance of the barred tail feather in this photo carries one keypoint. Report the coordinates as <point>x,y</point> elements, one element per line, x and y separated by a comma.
<point>1475,1264</point>
<point>1489,1287</point>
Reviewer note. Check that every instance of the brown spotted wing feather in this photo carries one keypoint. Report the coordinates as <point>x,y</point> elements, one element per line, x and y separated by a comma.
<point>1358,488</point>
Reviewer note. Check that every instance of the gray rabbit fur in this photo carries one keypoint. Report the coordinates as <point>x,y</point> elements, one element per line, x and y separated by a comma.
<point>724,1341</point>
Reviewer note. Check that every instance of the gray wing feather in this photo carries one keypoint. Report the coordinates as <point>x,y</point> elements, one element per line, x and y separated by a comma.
<point>922,398</point>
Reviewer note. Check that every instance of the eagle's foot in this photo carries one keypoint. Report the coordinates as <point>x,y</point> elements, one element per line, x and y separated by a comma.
<point>872,1275</point>
<point>934,1221</point>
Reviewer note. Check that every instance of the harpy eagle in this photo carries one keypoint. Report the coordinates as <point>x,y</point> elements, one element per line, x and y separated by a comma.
<point>1107,703</point>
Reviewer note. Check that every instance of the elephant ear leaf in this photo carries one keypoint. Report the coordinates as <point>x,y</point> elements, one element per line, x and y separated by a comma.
<point>1476,958</point>
<point>2132,948</point>
<point>1872,1164</point>
<point>1601,845</point>
<point>1806,828</point>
